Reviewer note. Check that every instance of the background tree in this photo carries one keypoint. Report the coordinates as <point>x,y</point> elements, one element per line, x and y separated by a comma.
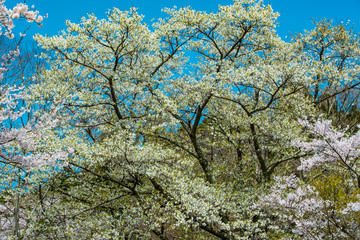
<point>334,53</point>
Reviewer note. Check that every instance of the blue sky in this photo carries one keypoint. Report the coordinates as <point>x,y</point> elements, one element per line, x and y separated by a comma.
<point>295,16</point>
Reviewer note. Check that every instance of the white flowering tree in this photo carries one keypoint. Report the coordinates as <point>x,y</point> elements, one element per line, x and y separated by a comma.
<point>176,131</point>
<point>334,60</point>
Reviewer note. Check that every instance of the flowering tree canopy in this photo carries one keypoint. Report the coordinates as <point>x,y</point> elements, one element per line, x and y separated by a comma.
<point>189,129</point>
<point>17,133</point>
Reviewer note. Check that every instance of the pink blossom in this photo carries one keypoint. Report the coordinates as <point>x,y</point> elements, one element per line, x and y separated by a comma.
<point>329,146</point>
<point>15,15</point>
<point>39,19</point>
<point>21,10</point>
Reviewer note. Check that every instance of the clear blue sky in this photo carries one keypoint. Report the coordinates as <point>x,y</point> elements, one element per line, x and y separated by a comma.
<point>295,16</point>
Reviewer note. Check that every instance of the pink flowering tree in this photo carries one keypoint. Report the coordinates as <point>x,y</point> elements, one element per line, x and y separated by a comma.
<point>17,133</point>
<point>304,211</point>
<point>12,112</point>
<point>324,200</point>
<point>331,148</point>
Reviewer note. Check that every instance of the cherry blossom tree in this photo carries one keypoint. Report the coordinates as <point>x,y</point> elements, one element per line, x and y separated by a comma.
<point>331,147</point>
<point>311,210</point>
<point>324,201</point>
<point>16,132</point>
